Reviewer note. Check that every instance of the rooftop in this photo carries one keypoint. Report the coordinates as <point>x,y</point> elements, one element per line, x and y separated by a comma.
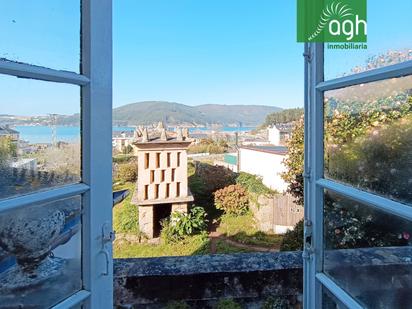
<point>161,135</point>
<point>279,150</point>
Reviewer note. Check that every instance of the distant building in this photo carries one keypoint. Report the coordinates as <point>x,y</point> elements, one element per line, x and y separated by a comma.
<point>278,134</point>
<point>230,161</point>
<point>162,185</point>
<point>266,162</point>
<point>121,140</point>
<point>198,137</point>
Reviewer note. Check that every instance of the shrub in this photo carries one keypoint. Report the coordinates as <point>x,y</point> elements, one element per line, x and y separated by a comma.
<point>228,304</point>
<point>209,145</point>
<point>293,240</point>
<point>123,158</point>
<point>184,224</point>
<point>204,180</point>
<point>277,302</point>
<point>253,184</point>
<point>232,199</point>
<point>177,305</point>
<point>127,172</point>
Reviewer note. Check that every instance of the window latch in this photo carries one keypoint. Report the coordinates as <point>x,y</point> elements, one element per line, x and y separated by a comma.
<point>307,245</point>
<point>108,236</point>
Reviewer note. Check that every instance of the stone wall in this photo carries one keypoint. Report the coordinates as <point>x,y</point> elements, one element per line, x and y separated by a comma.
<point>201,281</point>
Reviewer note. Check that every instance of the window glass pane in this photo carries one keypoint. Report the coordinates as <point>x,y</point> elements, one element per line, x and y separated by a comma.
<point>39,135</point>
<point>329,301</point>
<point>40,254</point>
<point>368,137</point>
<point>42,32</point>
<point>368,253</point>
<point>388,43</point>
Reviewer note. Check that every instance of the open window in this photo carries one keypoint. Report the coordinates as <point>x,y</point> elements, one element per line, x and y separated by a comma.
<point>357,178</point>
<point>55,195</point>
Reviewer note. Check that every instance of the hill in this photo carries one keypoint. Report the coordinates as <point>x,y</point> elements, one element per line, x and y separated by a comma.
<point>148,112</point>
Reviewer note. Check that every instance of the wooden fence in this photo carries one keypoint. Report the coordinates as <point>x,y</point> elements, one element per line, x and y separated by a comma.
<point>277,214</point>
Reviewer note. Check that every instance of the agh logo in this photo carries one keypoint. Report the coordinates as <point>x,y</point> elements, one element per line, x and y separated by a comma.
<point>332,21</point>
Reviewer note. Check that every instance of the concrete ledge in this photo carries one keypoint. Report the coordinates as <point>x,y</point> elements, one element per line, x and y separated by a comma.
<point>201,281</point>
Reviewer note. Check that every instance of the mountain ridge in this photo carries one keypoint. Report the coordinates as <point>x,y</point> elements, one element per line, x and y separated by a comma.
<point>173,113</point>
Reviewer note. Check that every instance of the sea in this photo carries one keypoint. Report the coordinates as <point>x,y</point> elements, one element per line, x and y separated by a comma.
<point>43,134</point>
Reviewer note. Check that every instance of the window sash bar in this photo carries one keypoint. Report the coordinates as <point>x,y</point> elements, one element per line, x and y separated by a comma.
<point>42,197</point>
<point>370,199</point>
<point>314,199</point>
<point>392,71</point>
<point>73,300</point>
<point>97,261</point>
<point>338,292</point>
<point>23,70</point>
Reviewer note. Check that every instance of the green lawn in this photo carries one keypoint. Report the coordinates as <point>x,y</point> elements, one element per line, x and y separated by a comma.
<point>243,229</point>
<point>224,248</point>
<point>192,245</point>
<point>125,214</point>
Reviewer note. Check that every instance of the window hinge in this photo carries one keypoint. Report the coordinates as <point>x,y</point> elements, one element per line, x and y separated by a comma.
<point>307,246</point>
<point>307,174</point>
<point>307,56</point>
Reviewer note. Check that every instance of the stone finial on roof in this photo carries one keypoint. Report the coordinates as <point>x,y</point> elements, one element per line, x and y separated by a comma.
<point>185,133</point>
<point>163,136</point>
<point>138,132</point>
<point>145,136</point>
<point>179,135</point>
<point>160,125</point>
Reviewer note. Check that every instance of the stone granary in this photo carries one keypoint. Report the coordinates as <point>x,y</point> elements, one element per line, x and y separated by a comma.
<point>162,185</point>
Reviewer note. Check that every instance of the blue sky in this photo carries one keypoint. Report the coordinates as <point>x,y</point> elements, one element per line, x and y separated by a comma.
<point>187,51</point>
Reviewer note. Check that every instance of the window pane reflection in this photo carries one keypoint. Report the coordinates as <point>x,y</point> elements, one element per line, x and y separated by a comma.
<point>40,254</point>
<point>367,252</point>
<point>38,149</point>
<point>388,43</point>
<point>368,137</point>
<point>41,32</point>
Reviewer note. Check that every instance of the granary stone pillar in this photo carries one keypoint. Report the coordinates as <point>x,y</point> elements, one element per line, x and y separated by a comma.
<point>180,207</point>
<point>146,220</point>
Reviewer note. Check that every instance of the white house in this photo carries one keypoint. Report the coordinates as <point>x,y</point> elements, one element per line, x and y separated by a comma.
<point>120,140</point>
<point>274,135</point>
<point>278,134</point>
<point>266,162</point>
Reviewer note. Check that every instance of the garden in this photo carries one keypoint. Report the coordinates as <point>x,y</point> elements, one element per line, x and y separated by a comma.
<point>219,222</point>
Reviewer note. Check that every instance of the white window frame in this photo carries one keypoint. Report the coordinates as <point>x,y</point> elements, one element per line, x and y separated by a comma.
<point>315,183</point>
<point>95,81</point>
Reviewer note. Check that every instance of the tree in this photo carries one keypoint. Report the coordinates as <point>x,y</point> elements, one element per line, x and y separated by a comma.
<point>284,116</point>
<point>8,149</point>
<point>294,162</point>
